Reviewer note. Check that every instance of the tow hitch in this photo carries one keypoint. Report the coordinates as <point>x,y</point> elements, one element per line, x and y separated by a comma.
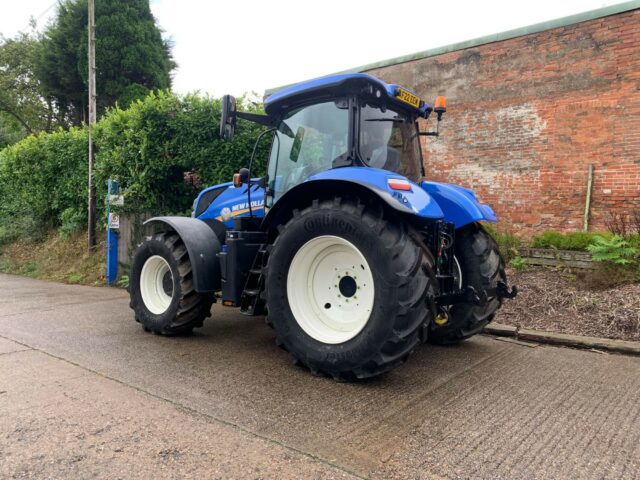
<point>480,298</point>
<point>502,291</point>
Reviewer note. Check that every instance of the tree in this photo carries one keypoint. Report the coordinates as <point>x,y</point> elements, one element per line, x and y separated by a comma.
<point>131,56</point>
<point>23,108</point>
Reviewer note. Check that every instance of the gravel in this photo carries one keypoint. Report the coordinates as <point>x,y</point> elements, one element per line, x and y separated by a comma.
<point>556,301</point>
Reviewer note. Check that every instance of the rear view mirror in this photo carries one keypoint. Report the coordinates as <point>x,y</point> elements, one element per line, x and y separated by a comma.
<point>228,117</point>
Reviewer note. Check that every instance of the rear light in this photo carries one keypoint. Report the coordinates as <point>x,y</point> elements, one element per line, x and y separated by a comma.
<point>399,184</point>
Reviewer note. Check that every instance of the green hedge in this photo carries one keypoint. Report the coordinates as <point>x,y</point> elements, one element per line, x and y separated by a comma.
<point>40,177</point>
<point>147,148</point>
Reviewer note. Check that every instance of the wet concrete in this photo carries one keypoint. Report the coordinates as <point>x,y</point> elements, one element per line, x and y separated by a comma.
<point>486,408</point>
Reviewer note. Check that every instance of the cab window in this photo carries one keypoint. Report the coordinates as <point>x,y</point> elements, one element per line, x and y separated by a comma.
<point>307,141</point>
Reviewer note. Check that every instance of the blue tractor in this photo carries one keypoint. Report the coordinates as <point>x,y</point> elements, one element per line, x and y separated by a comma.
<point>354,258</point>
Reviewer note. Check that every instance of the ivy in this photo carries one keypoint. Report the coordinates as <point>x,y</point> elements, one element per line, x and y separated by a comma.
<point>162,150</point>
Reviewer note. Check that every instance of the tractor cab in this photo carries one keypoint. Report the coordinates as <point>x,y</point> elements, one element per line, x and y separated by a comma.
<point>353,120</point>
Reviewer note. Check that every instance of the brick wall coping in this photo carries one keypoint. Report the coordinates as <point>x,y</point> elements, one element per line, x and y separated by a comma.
<point>496,37</point>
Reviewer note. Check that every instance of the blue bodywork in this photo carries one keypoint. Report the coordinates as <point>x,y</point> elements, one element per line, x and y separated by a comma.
<point>229,203</point>
<point>331,84</point>
<point>429,200</point>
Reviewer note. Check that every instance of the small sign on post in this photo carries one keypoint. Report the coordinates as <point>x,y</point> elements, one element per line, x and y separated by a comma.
<point>114,220</point>
<point>117,200</point>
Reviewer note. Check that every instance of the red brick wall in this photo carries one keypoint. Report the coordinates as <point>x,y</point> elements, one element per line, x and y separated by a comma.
<point>526,117</point>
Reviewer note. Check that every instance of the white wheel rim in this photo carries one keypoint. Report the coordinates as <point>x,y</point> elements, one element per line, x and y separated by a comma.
<point>330,289</point>
<point>152,289</point>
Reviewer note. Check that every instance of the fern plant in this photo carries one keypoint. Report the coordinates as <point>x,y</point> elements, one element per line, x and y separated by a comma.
<point>518,263</point>
<point>614,250</point>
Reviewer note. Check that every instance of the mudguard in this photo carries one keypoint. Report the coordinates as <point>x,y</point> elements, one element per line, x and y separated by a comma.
<point>415,201</point>
<point>459,204</point>
<point>202,246</point>
<point>432,200</point>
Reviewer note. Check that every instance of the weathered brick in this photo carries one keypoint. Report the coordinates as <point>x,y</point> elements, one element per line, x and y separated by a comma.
<point>528,115</point>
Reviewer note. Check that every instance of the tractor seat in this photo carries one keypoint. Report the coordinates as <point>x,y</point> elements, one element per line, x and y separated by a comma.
<point>393,160</point>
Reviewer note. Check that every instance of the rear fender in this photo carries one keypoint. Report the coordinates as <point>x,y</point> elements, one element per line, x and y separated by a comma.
<point>460,205</point>
<point>202,246</point>
<point>371,181</point>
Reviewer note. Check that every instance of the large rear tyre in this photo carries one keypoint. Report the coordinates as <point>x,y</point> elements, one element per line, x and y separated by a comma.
<point>480,266</point>
<point>349,292</point>
<point>161,287</point>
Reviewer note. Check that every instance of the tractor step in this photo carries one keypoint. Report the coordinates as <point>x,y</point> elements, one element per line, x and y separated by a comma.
<point>251,302</point>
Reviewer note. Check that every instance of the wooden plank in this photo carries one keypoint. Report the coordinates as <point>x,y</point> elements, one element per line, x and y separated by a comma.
<point>553,253</point>
<point>131,233</point>
<point>558,263</point>
<point>553,257</point>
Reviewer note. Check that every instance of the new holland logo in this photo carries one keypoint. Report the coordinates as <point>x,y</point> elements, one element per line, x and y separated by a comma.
<point>244,206</point>
<point>238,209</point>
<point>225,213</point>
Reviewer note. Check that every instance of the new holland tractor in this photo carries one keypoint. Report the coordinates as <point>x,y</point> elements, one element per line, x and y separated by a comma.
<point>354,258</point>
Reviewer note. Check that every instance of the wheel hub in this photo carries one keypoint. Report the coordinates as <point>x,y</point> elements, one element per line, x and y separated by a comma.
<point>347,286</point>
<point>167,283</point>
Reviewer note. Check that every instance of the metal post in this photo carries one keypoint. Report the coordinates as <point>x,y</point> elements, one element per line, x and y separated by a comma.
<point>587,203</point>
<point>112,237</point>
<point>91,217</point>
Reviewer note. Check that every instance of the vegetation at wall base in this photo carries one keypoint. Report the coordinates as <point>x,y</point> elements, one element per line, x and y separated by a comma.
<point>58,258</point>
<point>507,241</point>
<point>618,256</point>
<point>578,241</point>
<point>615,250</point>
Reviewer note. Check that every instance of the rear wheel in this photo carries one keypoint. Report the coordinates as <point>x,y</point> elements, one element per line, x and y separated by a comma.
<point>161,287</point>
<point>478,264</point>
<point>348,290</point>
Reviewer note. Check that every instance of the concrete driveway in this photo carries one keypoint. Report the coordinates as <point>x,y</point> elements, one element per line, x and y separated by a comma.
<point>85,393</point>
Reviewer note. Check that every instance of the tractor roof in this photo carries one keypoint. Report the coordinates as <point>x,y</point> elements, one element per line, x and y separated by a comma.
<point>334,86</point>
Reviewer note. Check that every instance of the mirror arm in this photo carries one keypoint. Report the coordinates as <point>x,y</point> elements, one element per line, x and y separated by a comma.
<point>265,120</point>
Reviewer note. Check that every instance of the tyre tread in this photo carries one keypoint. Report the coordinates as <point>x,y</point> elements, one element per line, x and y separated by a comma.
<point>193,307</point>
<point>467,321</point>
<point>414,276</point>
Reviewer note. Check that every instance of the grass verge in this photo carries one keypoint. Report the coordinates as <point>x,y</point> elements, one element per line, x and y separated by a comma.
<point>56,258</point>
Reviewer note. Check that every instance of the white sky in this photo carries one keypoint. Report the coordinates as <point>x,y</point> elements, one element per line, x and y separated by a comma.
<point>236,46</point>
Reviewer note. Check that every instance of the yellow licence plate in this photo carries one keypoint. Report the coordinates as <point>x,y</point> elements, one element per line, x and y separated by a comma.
<point>409,98</point>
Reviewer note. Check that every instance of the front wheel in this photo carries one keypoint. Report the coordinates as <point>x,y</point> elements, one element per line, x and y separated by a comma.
<point>478,264</point>
<point>349,291</point>
<point>161,287</point>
